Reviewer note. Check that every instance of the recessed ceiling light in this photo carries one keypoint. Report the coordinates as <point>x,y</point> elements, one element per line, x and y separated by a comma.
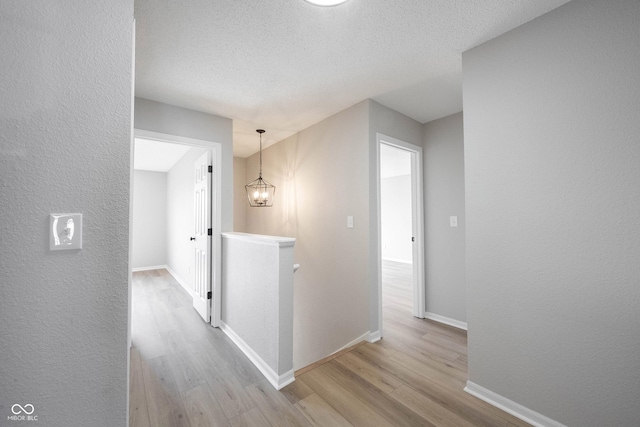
<point>326,2</point>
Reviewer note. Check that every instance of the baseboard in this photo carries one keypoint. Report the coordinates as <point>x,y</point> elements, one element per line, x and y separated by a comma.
<point>329,358</point>
<point>401,261</point>
<point>511,407</point>
<point>374,336</point>
<point>277,381</point>
<point>153,267</point>
<point>363,337</point>
<point>179,280</point>
<point>446,320</point>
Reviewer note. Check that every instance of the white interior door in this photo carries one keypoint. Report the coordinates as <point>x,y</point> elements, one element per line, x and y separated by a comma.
<point>202,237</point>
<point>417,220</point>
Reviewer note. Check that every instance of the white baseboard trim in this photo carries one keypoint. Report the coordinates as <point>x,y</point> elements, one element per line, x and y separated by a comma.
<point>401,261</point>
<point>511,407</point>
<point>363,337</point>
<point>374,336</point>
<point>277,381</point>
<point>153,267</point>
<point>179,280</point>
<point>446,320</point>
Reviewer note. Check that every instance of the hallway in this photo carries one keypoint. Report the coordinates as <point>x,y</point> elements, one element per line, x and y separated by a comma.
<point>185,373</point>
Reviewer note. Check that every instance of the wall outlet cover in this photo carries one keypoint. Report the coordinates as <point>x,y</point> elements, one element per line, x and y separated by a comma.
<point>65,231</point>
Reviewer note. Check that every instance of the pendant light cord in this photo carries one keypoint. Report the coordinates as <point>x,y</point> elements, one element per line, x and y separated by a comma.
<point>260,154</point>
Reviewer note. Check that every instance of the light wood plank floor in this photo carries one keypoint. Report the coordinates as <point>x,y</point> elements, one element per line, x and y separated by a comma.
<point>185,373</point>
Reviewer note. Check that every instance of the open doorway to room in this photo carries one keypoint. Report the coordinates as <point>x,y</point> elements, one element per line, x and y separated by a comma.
<point>165,214</point>
<point>401,231</point>
<point>152,287</point>
<point>176,217</point>
<point>397,230</point>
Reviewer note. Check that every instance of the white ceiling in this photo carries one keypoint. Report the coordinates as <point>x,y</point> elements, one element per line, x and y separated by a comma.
<point>283,65</point>
<point>156,156</point>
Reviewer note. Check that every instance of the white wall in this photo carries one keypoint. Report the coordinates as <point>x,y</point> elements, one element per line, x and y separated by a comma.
<point>240,202</point>
<point>180,217</point>
<point>258,300</point>
<point>65,115</point>
<point>552,148</point>
<point>149,225</point>
<point>395,211</point>
<point>443,157</point>
<point>321,177</point>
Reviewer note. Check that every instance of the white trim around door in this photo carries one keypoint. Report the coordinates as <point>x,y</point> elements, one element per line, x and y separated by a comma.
<point>216,209</point>
<point>417,207</point>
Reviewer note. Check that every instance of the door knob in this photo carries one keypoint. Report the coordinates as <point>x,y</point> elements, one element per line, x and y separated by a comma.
<point>192,238</point>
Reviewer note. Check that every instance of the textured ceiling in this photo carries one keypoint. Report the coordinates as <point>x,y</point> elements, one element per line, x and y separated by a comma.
<point>284,65</point>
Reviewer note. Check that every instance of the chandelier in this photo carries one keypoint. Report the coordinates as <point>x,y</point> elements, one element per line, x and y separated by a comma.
<point>259,192</point>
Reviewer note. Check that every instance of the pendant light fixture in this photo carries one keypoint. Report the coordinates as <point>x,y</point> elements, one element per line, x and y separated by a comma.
<point>259,192</point>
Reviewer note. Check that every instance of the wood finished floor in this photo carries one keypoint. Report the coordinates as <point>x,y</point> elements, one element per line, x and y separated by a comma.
<point>185,373</point>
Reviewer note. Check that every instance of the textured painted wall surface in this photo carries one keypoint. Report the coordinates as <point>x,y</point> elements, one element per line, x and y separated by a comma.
<point>444,196</point>
<point>149,227</point>
<point>251,295</point>
<point>258,296</point>
<point>321,177</point>
<point>65,142</point>
<point>552,148</point>
<point>240,179</point>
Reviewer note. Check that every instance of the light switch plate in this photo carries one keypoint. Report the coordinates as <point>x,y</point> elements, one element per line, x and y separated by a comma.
<point>453,221</point>
<point>65,231</point>
<point>349,221</point>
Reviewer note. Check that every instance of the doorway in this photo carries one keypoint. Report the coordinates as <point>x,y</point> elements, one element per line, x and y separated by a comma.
<point>179,233</point>
<point>401,222</point>
<point>396,230</point>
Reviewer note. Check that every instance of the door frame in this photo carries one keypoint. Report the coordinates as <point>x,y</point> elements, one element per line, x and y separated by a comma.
<point>417,214</point>
<point>215,149</point>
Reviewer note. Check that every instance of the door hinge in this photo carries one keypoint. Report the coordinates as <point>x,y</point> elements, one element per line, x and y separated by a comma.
<point>413,239</point>
<point>210,232</point>
<point>210,169</point>
<point>209,295</point>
